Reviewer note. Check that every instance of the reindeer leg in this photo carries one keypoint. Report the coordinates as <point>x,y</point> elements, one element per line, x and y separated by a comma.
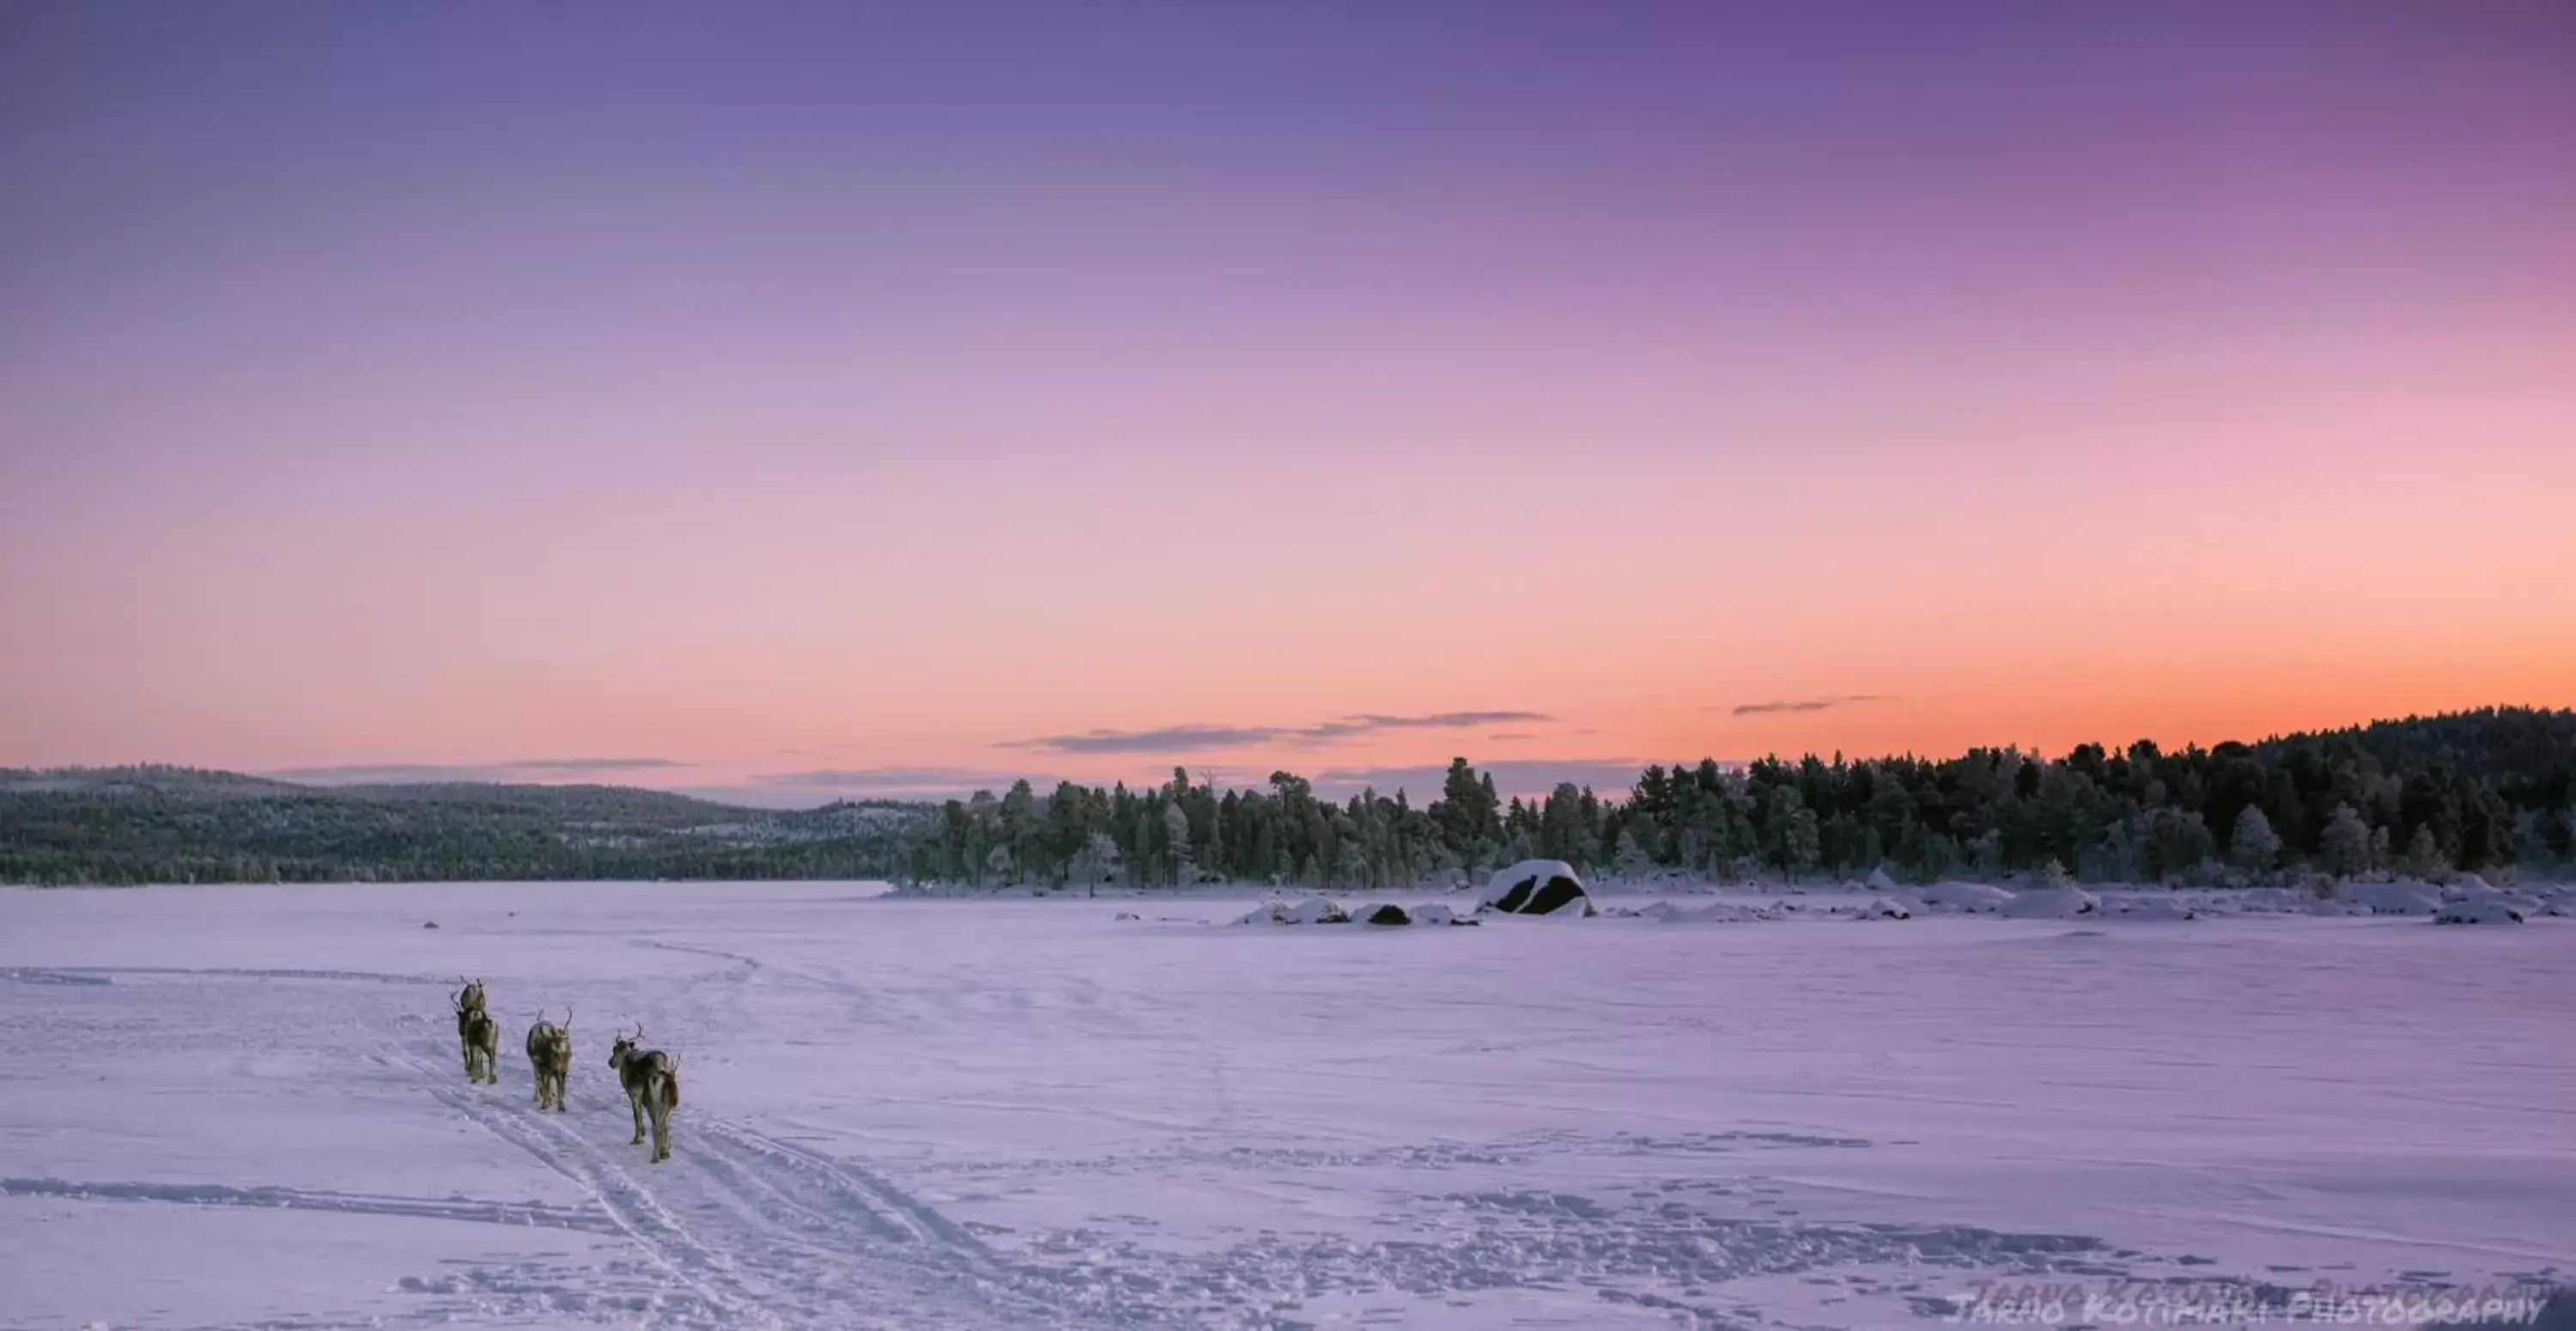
<point>636,1103</point>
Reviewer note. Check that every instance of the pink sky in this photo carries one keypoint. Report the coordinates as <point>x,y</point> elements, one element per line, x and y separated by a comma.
<point>2046,386</point>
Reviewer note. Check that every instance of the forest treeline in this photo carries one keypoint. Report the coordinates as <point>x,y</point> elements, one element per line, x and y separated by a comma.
<point>2468,790</point>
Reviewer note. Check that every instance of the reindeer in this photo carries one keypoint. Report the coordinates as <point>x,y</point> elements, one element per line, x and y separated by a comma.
<point>479,1034</point>
<point>550,1053</point>
<point>652,1082</point>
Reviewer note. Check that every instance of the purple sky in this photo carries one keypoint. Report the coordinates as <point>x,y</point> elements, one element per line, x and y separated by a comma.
<point>797,399</point>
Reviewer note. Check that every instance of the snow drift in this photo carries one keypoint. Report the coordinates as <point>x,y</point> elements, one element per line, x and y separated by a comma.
<point>1975,898</point>
<point>2391,898</point>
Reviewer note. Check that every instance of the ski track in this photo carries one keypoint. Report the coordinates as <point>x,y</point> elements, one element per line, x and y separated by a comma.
<point>758,1232</point>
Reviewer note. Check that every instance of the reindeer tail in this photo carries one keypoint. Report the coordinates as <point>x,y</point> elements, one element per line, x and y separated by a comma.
<point>671,1090</point>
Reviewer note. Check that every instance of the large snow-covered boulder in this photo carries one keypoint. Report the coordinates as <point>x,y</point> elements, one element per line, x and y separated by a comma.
<point>2391,898</point>
<point>1313,910</point>
<point>1882,908</point>
<point>2477,912</point>
<point>2469,889</point>
<point>2051,903</point>
<point>1536,887</point>
<point>1977,898</point>
<point>1878,881</point>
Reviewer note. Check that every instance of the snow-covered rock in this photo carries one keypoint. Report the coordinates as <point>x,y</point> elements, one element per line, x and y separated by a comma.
<point>1878,881</point>
<point>2469,887</point>
<point>1536,887</point>
<point>2152,908</point>
<point>1316,910</point>
<point>1313,910</point>
<point>2470,890</point>
<point>1881,908</point>
<point>2051,903</point>
<point>2478,912</point>
<point>1386,914</point>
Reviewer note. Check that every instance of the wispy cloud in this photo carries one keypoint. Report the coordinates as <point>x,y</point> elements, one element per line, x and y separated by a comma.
<point>1803,704</point>
<point>897,782</point>
<point>1525,777</point>
<point>590,764</point>
<point>1510,737</point>
<point>1196,737</point>
<point>525,769</point>
<point>1168,739</point>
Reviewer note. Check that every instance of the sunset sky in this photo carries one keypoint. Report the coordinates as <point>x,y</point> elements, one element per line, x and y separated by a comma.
<point>796,401</point>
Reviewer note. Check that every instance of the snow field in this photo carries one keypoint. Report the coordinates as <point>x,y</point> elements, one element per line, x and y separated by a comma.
<point>235,1107</point>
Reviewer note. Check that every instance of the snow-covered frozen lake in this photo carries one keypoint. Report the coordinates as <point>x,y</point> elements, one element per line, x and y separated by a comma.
<point>237,1107</point>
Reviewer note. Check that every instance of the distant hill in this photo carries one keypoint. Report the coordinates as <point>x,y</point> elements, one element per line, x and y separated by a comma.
<point>144,779</point>
<point>157,824</point>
